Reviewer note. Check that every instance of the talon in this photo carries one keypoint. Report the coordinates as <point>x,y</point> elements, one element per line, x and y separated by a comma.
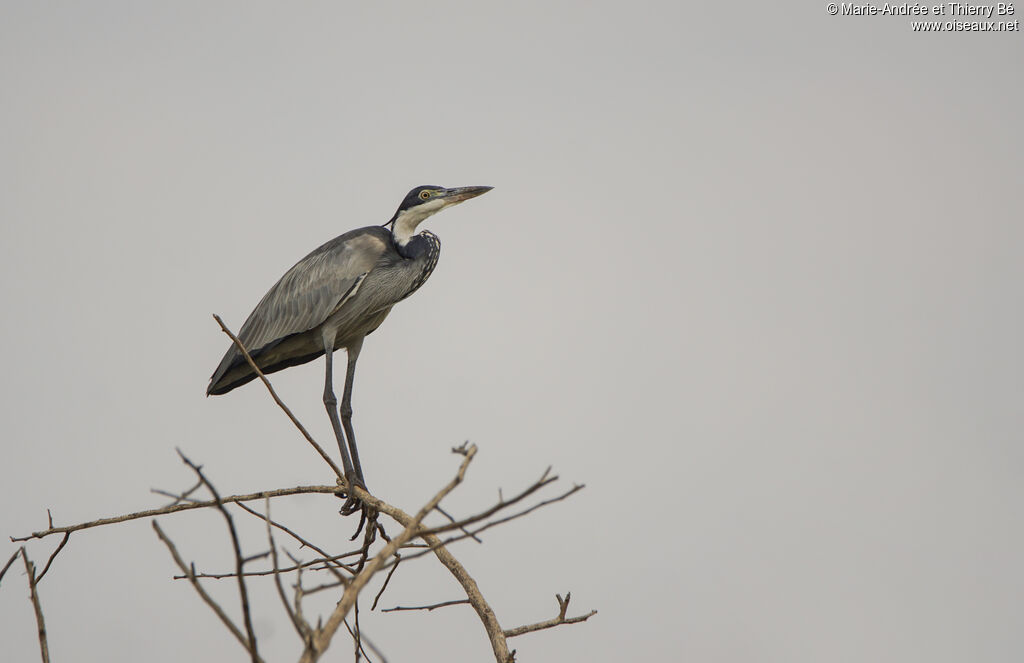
<point>354,504</point>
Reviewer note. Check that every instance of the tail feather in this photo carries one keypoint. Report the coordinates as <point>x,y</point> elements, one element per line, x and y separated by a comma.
<point>234,370</point>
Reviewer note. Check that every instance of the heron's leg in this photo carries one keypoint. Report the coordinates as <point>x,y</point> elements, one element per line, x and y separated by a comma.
<point>346,406</point>
<point>331,403</point>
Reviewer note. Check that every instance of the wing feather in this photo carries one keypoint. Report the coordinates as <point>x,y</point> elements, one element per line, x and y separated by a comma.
<point>312,290</point>
<point>309,292</point>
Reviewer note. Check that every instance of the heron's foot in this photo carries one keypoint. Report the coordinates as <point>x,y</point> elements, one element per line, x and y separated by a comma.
<point>352,503</point>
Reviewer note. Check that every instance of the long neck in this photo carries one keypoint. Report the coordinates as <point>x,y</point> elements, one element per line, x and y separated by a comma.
<point>404,223</point>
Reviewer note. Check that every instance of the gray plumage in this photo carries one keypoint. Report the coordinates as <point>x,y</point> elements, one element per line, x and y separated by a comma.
<point>333,298</point>
<point>348,284</point>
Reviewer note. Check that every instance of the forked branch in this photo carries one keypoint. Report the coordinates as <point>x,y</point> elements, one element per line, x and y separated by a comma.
<point>563,607</point>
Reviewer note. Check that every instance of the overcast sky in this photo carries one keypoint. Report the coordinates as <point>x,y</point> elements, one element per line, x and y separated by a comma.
<point>751,272</point>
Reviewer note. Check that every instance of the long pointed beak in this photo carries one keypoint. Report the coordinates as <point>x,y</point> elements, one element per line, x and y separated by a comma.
<point>456,195</point>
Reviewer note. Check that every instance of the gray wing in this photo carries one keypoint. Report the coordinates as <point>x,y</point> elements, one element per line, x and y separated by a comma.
<point>309,292</point>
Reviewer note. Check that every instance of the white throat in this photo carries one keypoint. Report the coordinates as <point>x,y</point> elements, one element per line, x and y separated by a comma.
<point>407,220</point>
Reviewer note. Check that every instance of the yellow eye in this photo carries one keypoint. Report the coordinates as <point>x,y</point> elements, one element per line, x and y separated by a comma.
<point>424,195</point>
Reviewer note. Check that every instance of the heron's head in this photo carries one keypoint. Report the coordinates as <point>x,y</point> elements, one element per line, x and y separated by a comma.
<point>423,201</point>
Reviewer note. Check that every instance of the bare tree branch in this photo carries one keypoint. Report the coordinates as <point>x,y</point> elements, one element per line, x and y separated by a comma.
<point>312,565</point>
<point>360,639</point>
<point>301,627</point>
<point>494,523</point>
<point>317,639</point>
<point>243,593</point>
<point>179,497</point>
<point>455,522</point>
<point>563,606</point>
<point>387,580</point>
<point>326,563</point>
<point>330,561</point>
<point>299,592</point>
<point>174,508</point>
<point>30,570</point>
<point>428,608</point>
<point>325,587</point>
<point>483,610</point>
<point>9,562</point>
<point>63,542</point>
<point>501,504</point>
<point>324,635</point>
<point>190,574</point>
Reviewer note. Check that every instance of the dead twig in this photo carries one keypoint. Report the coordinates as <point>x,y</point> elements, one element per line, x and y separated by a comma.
<point>543,481</point>
<point>9,562</point>
<point>330,561</point>
<point>563,606</point>
<point>313,565</point>
<point>175,508</point>
<point>494,523</point>
<point>63,542</point>
<point>394,567</point>
<point>301,627</point>
<point>299,592</point>
<point>243,593</point>
<point>360,640</point>
<point>455,522</point>
<point>428,608</point>
<point>178,498</point>
<point>30,570</point>
<point>190,574</point>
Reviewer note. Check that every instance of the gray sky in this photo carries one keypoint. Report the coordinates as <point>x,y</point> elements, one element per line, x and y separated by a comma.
<point>751,272</point>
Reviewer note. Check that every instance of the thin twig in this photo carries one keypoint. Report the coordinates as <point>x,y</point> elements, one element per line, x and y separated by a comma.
<point>174,508</point>
<point>360,640</point>
<point>280,403</point>
<point>9,562</point>
<point>356,630</point>
<point>394,567</point>
<point>178,498</point>
<point>314,565</point>
<point>543,481</point>
<point>319,564</point>
<point>428,608</point>
<point>299,593</point>
<point>30,570</point>
<point>454,522</point>
<point>528,510</point>
<point>243,593</point>
<point>563,606</point>
<point>190,574</point>
<point>365,642</point>
<point>494,523</point>
<point>330,562</point>
<point>301,628</point>
<point>63,542</point>
<point>325,587</point>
